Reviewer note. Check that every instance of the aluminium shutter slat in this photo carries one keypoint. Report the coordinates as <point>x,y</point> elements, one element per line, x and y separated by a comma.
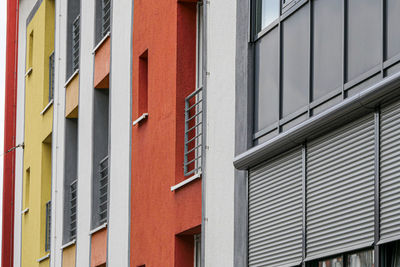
<point>340,189</point>
<point>275,212</point>
<point>390,172</point>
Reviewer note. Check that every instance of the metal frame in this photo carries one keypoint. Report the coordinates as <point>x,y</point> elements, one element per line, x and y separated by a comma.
<point>75,43</point>
<point>73,189</point>
<point>346,85</point>
<point>48,227</point>
<point>51,76</point>
<point>105,17</point>
<point>193,133</point>
<point>103,190</point>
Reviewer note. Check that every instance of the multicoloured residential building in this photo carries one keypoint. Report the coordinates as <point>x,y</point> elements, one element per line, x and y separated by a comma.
<point>219,133</point>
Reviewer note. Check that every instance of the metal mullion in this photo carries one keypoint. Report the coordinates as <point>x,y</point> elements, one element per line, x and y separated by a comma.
<point>311,59</point>
<point>344,42</point>
<point>280,67</point>
<point>383,34</point>
<point>304,200</point>
<point>377,187</point>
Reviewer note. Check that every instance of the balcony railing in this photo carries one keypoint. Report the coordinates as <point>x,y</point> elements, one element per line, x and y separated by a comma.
<point>193,133</point>
<point>48,227</point>
<point>73,205</point>
<point>75,43</point>
<point>103,190</point>
<point>105,17</point>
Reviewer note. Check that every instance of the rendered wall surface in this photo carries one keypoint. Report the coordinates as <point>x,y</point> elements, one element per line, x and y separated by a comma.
<point>72,98</point>
<point>68,256</point>
<point>219,191</point>
<point>118,227</point>
<point>9,134</point>
<point>98,250</point>
<point>102,65</point>
<point>157,214</point>
<point>38,128</point>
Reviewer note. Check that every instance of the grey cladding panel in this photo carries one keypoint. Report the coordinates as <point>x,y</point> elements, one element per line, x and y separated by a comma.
<point>340,189</point>
<point>390,172</point>
<point>327,40</point>
<point>275,212</point>
<point>266,80</point>
<point>296,42</point>
<point>364,36</point>
<point>393,29</point>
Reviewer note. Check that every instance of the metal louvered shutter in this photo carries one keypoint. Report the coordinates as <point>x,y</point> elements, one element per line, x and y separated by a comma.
<point>340,190</point>
<point>390,173</point>
<point>275,212</point>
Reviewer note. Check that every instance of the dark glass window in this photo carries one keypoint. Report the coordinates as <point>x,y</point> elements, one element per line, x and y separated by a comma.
<point>354,259</point>
<point>390,255</point>
<point>266,12</point>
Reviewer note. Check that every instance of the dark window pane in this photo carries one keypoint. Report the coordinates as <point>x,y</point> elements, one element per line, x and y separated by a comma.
<point>296,61</point>
<point>393,29</point>
<point>266,12</point>
<point>333,262</point>
<point>361,259</point>
<point>364,36</point>
<point>327,47</point>
<point>266,95</point>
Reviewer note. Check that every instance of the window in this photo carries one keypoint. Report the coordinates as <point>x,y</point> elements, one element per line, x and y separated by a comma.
<point>48,226</point>
<point>103,190</point>
<point>266,12</point>
<point>30,51</point>
<point>27,187</point>
<point>51,76</point>
<point>105,16</point>
<point>390,256</point>
<point>73,207</point>
<point>143,83</point>
<point>197,250</point>
<point>354,259</point>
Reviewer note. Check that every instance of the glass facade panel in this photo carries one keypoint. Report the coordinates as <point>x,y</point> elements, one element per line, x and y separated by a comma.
<point>333,262</point>
<point>267,12</point>
<point>361,259</point>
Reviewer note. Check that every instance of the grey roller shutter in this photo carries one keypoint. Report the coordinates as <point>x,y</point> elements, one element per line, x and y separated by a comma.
<point>275,212</point>
<point>340,190</point>
<point>390,173</point>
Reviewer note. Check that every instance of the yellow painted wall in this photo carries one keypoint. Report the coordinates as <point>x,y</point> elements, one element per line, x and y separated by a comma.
<point>38,129</point>
<point>68,257</point>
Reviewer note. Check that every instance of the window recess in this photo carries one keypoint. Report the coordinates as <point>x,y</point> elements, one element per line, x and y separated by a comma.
<point>48,227</point>
<point>75,43</point>
<point>51,76</point>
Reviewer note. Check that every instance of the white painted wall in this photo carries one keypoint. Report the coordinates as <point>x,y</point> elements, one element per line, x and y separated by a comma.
<point>58,147</point>
<point>219,189</point>
<point>25,7</point>
<point>120,134</point>
<point>85,133</point>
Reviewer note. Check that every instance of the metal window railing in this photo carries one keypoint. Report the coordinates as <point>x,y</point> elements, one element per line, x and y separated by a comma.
<point>193,132</point>
<point>75,43</point>
<point>51,76</point>
<point>48,226</point>
<point>103,190</point>
<point>105,16</point>
<point>73,205</point>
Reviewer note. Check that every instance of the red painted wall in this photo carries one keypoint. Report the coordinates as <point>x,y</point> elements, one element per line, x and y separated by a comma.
<point>98,248</point>
<point>163,222</point>
<point>9,133</point>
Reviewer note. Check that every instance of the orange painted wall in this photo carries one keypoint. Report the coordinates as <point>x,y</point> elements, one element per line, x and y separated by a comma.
<point>102,65</point>
<point>98,250</point>
<point>167,29</point>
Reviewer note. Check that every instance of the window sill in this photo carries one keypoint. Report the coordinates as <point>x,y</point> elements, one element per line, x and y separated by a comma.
<point>101,42</point>
<point>28,72</point>
<point>47,107</point>
<point>97,229</point>
<point>25,211</point>
<point>71,78</point>
<point>185,182</point>
<point>70,243</point>
<point>141,118</point>
<point>44,258</point>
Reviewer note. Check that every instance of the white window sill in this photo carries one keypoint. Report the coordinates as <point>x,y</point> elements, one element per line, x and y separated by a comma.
<point>71,78</point>
<point>185,182</point>
<point>97,229</point>
<point>47,107</point>
<point>101,42</point>
<point>44,257</point>
<point>28,72</point>
<point>141,118</point>
<point>25,211</point>
<point>70,243</point>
